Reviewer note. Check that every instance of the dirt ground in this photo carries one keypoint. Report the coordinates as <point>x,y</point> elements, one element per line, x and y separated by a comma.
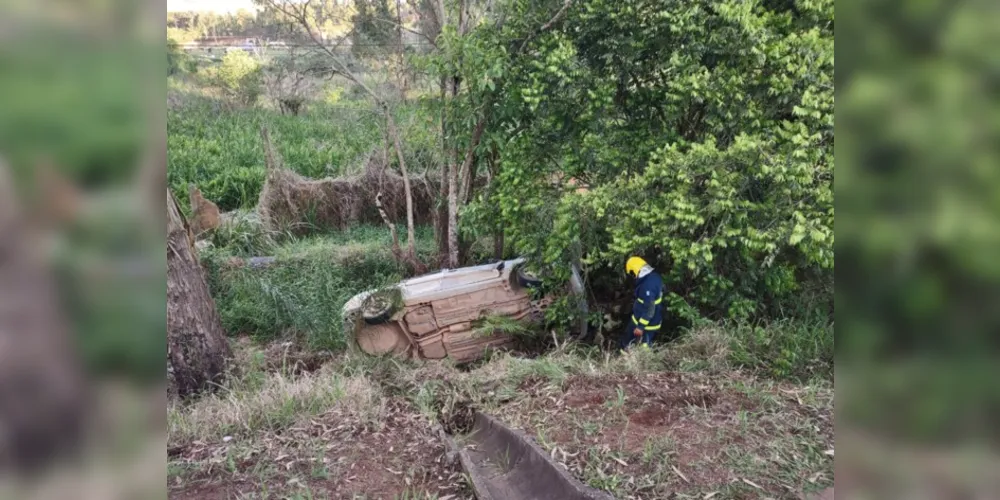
<point>681,435</point>
<point>328,458</point>
<point>662,434</point>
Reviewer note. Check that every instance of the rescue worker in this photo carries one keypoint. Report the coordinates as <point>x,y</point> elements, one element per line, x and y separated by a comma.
<point>647,309</point>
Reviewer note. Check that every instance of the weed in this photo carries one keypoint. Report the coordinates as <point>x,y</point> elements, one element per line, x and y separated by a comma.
<point>590,428</point>
<point>619,400</point>
<point>243,234</point>
<point>657,448</point>
<point>492,324</point>
<point>503,460</point>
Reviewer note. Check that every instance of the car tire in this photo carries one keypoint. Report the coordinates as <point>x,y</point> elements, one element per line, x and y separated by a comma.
<point>526,279</point>
<point>377,308</point>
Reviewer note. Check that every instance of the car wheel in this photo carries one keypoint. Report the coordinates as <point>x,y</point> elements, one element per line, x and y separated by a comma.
<point>378,340</point>
<point>526,279</point>
<point>378,308</point>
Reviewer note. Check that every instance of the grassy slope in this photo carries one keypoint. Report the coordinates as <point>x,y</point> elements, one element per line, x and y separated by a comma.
<point>638,426</point>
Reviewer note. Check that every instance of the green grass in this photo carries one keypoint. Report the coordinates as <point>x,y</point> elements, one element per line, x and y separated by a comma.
<point>219,148</point>
<point>303,292</point>
<point>784,349</point>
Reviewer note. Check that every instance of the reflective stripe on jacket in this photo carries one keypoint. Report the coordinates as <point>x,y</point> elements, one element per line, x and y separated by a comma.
<point>647,310</point>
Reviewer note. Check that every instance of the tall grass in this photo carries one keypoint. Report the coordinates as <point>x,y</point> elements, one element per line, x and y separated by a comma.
<point>303,291</point>
<point>794,348</point>
<point>219,149</point>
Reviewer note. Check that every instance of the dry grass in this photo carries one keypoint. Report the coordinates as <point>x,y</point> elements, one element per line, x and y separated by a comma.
<point>704,348</point>
<point>259,401</point>
<point>292,202</point>
<point>645,424</point>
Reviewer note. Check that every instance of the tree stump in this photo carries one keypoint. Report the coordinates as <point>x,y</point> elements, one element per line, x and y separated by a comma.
<point>197,348</point>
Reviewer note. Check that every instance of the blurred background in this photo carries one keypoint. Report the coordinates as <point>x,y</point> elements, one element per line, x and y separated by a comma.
<point>82,268</point>
<point>918,229</point>
<point>82,316</point>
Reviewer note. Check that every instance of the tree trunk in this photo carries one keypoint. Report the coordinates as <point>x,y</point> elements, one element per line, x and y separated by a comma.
<point>441,211</point>
<point>452,212</point>
<point>498,242</point>
<point>196,344</point>
<point>411,243</point>
<point>468,168</point>
<point>453,257</point>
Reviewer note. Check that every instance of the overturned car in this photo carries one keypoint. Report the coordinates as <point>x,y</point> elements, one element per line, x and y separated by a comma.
<point>435,316</point>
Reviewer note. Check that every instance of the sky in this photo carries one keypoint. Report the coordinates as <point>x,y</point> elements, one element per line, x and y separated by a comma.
<point>220,6</point>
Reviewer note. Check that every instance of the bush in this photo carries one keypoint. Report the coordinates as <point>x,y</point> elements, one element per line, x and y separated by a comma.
<point>240,76</point>
<point>176,58</point>
<point>245,235</point>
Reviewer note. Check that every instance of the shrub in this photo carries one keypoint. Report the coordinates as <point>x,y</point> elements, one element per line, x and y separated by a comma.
<point>244,234</point>
<point>240,76</point>
<point>176,58</point>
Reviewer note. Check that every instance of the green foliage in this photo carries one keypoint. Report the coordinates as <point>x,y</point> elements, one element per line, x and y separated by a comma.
<point>704,132</point>
<point>245,235</point>
<point>220,150</point>
<point>240,77</point>
<point>493,324</point>
<point>373,27</point>
<point>175,57</point>
<point>919,239</point>
<point>111,270</point>
<point>75,102</point>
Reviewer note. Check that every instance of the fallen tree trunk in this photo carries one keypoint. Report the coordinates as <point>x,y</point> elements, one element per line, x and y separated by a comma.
<point>196,343</point>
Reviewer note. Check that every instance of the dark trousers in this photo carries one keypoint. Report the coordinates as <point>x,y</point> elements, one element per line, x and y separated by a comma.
<point>629,338</point>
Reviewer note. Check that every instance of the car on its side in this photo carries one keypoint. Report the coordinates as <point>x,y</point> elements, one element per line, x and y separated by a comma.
<point>435,316</point>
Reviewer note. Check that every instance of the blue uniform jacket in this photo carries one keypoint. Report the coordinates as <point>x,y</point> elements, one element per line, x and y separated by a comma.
<point>647,310</point>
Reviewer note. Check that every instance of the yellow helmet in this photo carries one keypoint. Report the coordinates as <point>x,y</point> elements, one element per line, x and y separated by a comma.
<point>634,265</point>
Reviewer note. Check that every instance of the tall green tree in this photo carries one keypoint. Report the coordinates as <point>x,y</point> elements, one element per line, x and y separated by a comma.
<point>697,133</point>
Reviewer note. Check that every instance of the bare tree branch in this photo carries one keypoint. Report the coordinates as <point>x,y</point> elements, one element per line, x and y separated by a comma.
<point>404,28</point>
<point>545,27</point>
<point>341,67</point>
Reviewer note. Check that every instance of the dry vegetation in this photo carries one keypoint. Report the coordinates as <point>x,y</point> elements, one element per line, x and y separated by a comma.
<point>676,420</point>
